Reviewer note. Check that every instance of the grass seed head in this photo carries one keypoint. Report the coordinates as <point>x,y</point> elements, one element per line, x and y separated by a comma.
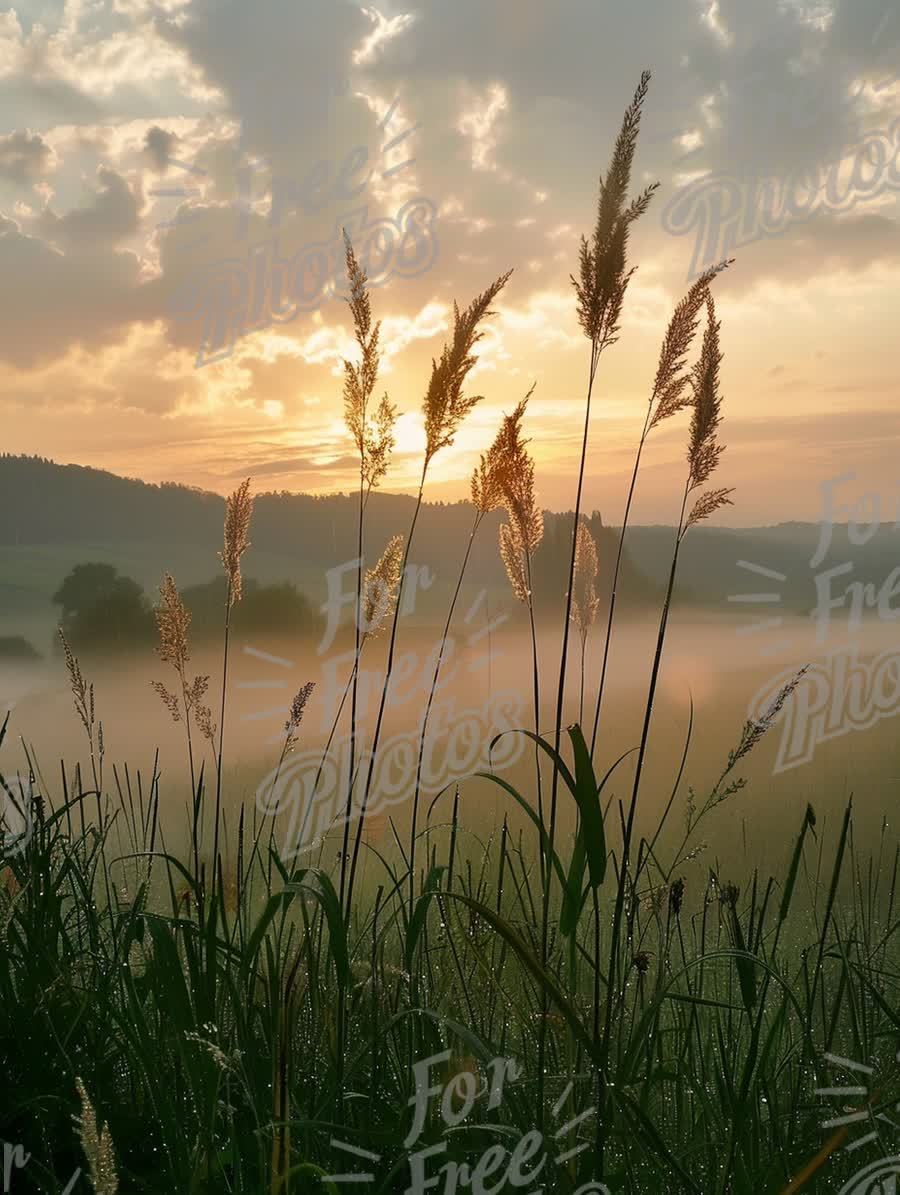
<point>585,602</point>
<point>297,710</point>
<point>380,586</point>
<point>172,623</point>
<point>704,449</point>
<point>97,1145</point>
<point>445,405</point>
<point>603,269</point>
<point>238,509</point>
<point>512,553</point>
<point>671,392</point>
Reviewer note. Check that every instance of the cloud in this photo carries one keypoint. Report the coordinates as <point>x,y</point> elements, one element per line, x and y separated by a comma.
<point>97,56</point>
<point>829,244</point>
<point>24,157</point>
<point>547,319</point>
<point>158,146</point>
<point>11,43</point>
<point>58,299</point>
<point>278,74</point>
<point>479,122</point>
<point>330,345</point>
<point>514,107</point>
<point>111,215</point>
<point>340,465</point>
<point>713,19</point>
<point>383,30</point>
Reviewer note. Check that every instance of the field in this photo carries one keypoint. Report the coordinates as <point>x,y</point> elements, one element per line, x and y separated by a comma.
<point>217,1045</point>
<point>573,915</point>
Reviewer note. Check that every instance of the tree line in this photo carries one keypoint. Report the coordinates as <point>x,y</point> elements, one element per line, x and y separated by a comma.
<point>100,608</point>
<point>44,503</point>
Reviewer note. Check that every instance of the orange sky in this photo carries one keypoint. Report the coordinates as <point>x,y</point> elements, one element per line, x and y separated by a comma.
<point>156,149</point>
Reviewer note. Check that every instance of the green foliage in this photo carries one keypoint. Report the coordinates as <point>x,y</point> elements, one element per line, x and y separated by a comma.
<point>178,1014</point>
<point>102,609</point>
<point>155,526</point>
<point>262,609</point>
<point>233,1019</point>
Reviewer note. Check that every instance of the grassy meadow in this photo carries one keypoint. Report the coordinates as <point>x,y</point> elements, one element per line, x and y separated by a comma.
<point>601,947</point>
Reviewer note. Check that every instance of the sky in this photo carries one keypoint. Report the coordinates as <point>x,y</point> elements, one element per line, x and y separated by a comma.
<point>175,174</point>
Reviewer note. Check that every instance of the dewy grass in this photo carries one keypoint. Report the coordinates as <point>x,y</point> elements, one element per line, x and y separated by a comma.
<point>220,1018</point>
<point>734,994</point>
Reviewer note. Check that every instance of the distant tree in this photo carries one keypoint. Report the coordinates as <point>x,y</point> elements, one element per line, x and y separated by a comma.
<point>277,608</point>
<point>551,562</point>
<point>101,608</point>
<point>280,607</point>
<point>83,586</point>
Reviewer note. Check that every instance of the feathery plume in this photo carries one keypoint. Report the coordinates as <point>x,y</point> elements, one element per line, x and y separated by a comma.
<point>82,693</point>
<point>295,717</point>
<point>498,466</point>
<point>83,697</point>
<point>670,387</point>
<point>445,405</point>
<point>97,1145</point>
<point>516,477</point>
<point>380,587</point>
<point>704,448</point>
<point>755,728</point>
<point>238,508</point>
<point>707,504</point>
<point>359,380</point>
<point>359,303</point>
<point>512,554</point>
<point>585,602</point>
<point>205,724</point>
<point>379,443</point>
<point>603,273</point>
<point>521,537</point>
<point>485,485</point>
<point>374,437</point>
<point>172,622</point>
<point>196,691</point>
<point>169,700</point>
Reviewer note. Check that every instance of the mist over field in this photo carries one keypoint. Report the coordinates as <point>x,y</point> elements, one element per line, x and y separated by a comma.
<point>449,590</point>
<point>709,665</point>
<point>719,669</point>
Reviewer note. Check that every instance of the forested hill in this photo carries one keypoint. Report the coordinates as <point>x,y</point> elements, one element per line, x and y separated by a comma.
<point>43,504</point>
<point>46,504</point>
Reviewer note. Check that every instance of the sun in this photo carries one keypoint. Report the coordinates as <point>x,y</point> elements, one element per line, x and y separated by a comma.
<point>410,434</point>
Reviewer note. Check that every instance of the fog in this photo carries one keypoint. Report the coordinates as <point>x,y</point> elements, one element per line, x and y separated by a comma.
<point>834,737</point>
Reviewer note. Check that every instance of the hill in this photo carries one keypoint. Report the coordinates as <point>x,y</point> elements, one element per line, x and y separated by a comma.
<point>55,516</point>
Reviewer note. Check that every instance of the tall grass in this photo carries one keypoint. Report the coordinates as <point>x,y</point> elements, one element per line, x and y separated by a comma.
<point>175,1017</point>
<point>218,1070</point>
<point>444,408</point>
